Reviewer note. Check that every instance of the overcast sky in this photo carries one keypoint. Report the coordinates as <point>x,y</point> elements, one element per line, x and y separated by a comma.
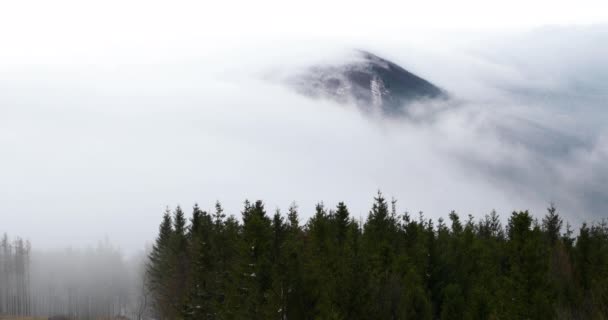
<point>112,110</point>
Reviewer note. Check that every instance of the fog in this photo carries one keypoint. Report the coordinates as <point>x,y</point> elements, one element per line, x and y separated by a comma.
<point>84,283</point>
<point>106,119</point>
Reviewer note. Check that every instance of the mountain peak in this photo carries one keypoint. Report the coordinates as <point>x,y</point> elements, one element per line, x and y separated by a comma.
<point>372,83</point>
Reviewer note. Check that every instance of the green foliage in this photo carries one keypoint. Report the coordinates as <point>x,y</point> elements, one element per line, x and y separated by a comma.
<point>160,269</point>
<point>390,267</point>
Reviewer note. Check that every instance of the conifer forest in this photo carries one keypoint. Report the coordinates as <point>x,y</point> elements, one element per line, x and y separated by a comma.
<point>272,265</point>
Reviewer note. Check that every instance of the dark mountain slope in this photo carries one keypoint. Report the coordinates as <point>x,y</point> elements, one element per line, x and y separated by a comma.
<point>370,82</point>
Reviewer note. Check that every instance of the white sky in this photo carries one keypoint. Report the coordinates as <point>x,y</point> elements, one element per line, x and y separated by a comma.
<point>66,31</point>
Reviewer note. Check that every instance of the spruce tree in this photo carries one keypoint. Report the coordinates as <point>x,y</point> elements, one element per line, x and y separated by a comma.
<point>391,267</point>
<point>552,224</point>
<point>159,267</point>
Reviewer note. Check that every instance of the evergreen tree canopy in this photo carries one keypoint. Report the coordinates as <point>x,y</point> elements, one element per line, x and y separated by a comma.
<point>391,267</point>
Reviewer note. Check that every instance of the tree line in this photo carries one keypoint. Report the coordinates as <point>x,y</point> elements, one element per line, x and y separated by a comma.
<point>14,276</point>
<point>390,266</point>
<point>91,283</point>
<point>96,283</point>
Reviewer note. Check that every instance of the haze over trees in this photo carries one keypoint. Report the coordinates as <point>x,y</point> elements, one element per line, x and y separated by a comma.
<point>14,276</point>
<point>390,266</point>
<point>93,283</point>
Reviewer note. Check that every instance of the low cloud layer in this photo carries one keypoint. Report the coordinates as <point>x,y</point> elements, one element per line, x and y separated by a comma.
<point>95,150</point>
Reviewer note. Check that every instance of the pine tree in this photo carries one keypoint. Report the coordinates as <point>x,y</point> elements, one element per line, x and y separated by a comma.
<point>391,267</point>
<point>159,267</point>
<point>199,302</point>
<point>257,268</point>
<point>218,216</point>
<point>552,224</point>
<point>292,217</point>
<point>342,222</point>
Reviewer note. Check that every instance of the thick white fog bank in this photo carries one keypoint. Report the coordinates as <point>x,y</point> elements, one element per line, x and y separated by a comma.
<point>91,150</point>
